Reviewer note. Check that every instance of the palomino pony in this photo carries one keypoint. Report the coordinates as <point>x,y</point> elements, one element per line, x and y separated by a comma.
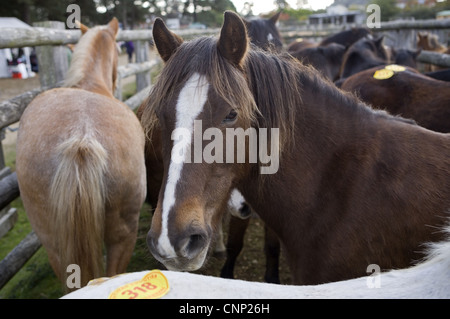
<point>430,42</point>
<point>429,279</point>
<point>80,164</point>
<point>407,93</point>
<point>351,186</point>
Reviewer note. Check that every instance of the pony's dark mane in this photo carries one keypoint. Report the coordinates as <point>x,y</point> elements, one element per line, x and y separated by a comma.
<point>267,92</point>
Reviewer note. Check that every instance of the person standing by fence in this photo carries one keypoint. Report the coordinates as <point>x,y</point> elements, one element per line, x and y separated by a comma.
<point>130,50</point>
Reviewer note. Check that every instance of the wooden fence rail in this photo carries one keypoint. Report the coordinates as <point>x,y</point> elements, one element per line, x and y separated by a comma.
<point>15,260</point>
<point>11,110</point>
<point>18,37</point>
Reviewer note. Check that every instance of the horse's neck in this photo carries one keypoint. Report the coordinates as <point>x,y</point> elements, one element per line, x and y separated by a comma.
<point>98,77</point>
<point>99,80</point>
<point>329,125</point>
<point>358,61</point>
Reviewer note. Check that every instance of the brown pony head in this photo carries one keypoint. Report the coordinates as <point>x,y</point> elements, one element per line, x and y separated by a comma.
<point>207,88</point>
<point>264,33</point>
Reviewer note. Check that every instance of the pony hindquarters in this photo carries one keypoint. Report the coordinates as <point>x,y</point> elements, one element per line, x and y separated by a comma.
<point>62,187</point>
<point>81,174</point>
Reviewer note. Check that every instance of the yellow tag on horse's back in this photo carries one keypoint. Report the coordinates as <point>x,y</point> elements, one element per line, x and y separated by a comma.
<point>383,74</point>
<point>395,68</point>
<point>154,285</point>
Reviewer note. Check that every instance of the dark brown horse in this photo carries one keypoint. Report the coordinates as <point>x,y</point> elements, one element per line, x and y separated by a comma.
<point>327,59</point>
<point>264,32</point>
<point>300,44</point>
<point>347,37</point>
<point>342,185</point>
<point>409,94</point>
<point>443,75</point>
<point>364,54</point>
<point>405,57</point>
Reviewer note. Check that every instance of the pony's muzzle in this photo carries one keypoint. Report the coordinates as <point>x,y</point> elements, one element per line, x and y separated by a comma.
<point>187,251</point>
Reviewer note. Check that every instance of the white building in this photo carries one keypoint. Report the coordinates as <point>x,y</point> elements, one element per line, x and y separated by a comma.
<point>337,15</point>
<point>7,54</point>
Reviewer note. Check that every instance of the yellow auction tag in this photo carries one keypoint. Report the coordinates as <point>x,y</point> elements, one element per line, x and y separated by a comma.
<point>154,285</point>
<point>383,74</point>
<point>395,68</point>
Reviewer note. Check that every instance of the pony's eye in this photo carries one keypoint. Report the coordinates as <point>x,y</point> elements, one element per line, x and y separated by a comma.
<point>231,117</point>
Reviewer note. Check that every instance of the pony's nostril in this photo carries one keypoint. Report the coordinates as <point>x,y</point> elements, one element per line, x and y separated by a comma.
<point>245,211</point>
<point>192,245</point>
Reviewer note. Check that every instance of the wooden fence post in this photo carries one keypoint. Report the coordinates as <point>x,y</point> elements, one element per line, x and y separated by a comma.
<point>142,55</point>
<point>53,61</point>
<point>15,260</point>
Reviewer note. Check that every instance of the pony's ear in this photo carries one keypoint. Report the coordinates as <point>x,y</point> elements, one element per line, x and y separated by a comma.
<point>166,41</point>
<point>82,27</point>
<point>233,41</point>
<point>379,41</point>
<point>275,17</point>
<point>113,25</point>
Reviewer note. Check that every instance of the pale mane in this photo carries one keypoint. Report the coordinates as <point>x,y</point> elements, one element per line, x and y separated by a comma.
<point>82,57</point>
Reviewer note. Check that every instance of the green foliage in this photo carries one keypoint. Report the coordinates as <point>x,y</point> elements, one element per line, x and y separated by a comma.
<point>388,9</point>
<point>298,14</point>
<point>129,12</point>
<point>423,12</point>
<point>208,12</point>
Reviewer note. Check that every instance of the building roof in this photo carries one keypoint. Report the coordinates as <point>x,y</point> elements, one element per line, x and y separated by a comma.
<point>443,13</point>
<point>324,15</point>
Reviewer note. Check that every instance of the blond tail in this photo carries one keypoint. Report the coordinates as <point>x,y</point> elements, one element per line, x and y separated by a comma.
<point>77,201</point>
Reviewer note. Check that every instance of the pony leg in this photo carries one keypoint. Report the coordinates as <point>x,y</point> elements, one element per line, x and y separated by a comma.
<point>220,249</point>
<point>120,239</point>
<point>235,243</point>
<point>272,251</point>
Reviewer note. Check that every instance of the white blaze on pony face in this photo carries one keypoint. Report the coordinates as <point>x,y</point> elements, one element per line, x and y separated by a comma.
<point>190,104</point>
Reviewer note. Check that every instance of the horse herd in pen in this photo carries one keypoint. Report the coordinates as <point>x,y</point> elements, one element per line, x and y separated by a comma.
<point>363,177</point>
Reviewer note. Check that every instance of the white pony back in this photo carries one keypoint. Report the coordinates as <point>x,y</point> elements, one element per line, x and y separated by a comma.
<point>429,279</point>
